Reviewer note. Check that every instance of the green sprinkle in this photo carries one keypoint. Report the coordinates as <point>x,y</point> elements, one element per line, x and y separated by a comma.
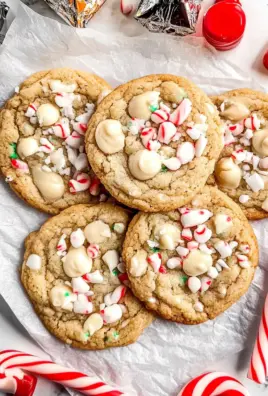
<point>153,108</point>
<point>115,272</point>
<point>106,339</point>
<point>116,335</point>
<point>13,151</point>
<point>113,226</point>
<point>184,279</point>
<point>87,334</point>
<point>66,294</point>
<point>164,168</point>
<point>155,249</point>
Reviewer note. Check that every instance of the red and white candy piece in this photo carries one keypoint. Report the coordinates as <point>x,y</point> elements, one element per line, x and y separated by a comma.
<point>223,223</point>
<point>200,146</point>
<point>193,132</point>
<point>93,277</point>
<point>111,314</point>
<point>62,128</point>
<point>214,384</point>
<point>239,155</point>
<point>128,7</point>
<point>95,185</point>
<point>244,248</point>
<point>172,163</point>
<point>159,116</point>
<point>235,129</point>
<point>223,248</point>
<point>166,132</point>
<point>195,217</point>
<point>222,264</point>
<point>31,110</point>
<point>147,135</point>
<point>20,165</point>
<point>243,261</point>
<point>213,273</point>
<point>192,245</point>
<point>81,162</point>
<point>185,152</point>
<point>82,305</point>
<point>174,262</point>
<point>46,146</point>
<point>228,138</point>
<point>61,246</point>
<point>258,370</point>
<point>79,127</point>
<point>115,296</point>
<point>153,145</point>
<point>65,376</point>
<point>187,234</point>
<point>252,122</point>
<point>205,283</point>
<point>81,183</point>
<point>74,140</point>
<point>194,284</point>
<point>155,260</point>
<point>181,113</point>
<point>77,238</point>
<point>202,234</point>
<point>79,285</point>
<point>182,251</point>
<point>93,251</point>
<point>255,182</point>
<point>17,385</point>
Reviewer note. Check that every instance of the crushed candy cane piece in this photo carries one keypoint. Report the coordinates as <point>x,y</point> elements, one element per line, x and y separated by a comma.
<point>62,128</point>
<point>159,116</point>
<point>205,283</point>
<point>243,198</point>
<point>194,284</point>
<point>81,183</point>
<point>166,132</point>
<point>174,262</point>
<point>212,273</point>
<point>202,234</point>
<point>195,217</point>
<point>20,165</point>
<point>172,163</point>
<point>200,146</point>
<point>79,285</point>
<point>255,182</point>
<point>253,122</point>
<point>82,305</point>
<point>112,314</point>
<point>185,152</point>
<point>93,251</point>
<point>119,228</point>
<point>192,245</point>
<point>31,110</point>
<point>62,246</point>
<point>186,234</point>
<point>77,238</point>
<point>181,113</point>
<point>147,135</point>
<point>74,140</point>
<point>223,223</point>
<point>93,277</point>
<point>182,251</point>
<point>111,259</point>
<point>198,307</point>
<point>94,188</point>
<point>155,260</point>
<point>46,146</point>
<point>223,248</point>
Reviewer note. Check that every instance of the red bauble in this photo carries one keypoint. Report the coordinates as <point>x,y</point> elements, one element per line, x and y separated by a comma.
<point>265,60</point>
<point>229,1</point>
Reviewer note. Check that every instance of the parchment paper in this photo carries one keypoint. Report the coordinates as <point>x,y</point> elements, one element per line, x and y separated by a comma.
<point>167,354</point>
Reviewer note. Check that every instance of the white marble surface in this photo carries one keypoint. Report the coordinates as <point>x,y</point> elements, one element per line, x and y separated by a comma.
<point>248,55</point>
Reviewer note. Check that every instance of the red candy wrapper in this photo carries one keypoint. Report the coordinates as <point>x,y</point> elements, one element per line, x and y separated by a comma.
<point>76,12</point>
<point>176,17</point>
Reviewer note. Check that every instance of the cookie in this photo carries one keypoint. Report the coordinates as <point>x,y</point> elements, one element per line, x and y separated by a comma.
<point>191,264</point>
<point>154,141</point>
<point>242,170</point>
<point>42,130</point>
<point>76,280</point>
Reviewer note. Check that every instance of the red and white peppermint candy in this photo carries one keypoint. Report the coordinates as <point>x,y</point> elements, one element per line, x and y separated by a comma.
<point>46,146</point>
<point>184,210</point>
<point>248,134</point>
<point>264,163</point>
<point>214,384</point>
<point>194,284</point>
<point>255,182</point>
<point>147,135</point>
<point>159,116</point>
<point>77,238</point>
<point>202,234</point>
<point>165,107</point>
<point>258,370</point>
<point>193,132</point>
<point>124,279</point>
<point>205,283</point>
<point>93,277</point>
<point>244,248</point>
<point>186,234</point>
<point>61,246</point>
<point>235,129</point>
<point>81,183</point>
<point>186,152</point>
<point>195,217</point>
<point>252,122</point>
<point>243,261</point>
<point>228,138</point>
<point>192,245</point>
<point>79,127</point>
<point>166,132</point>
<point>79,285</point>
<point>200,146</point>
<point>205,249</point>
<point>182,251</point>
<point>95,185</point>
<point>115,296</point>
<point>20,165</point>
<point>181,113</point>
<point>82,305</point>
<point>81,162</point>
<point>74,140</point>
<point>93,251</point>
<point>155,260</point>
<point>223,248</point>
<point>153,145</point>
<point>111,314</point>
<point>128,7</point>
<point>174,262</point>
<point>239,155</point>
<point>62,128</point>
<point>172,163</point>
<point>255,161</point>
<point>31,110</point>
<point>19,385</point>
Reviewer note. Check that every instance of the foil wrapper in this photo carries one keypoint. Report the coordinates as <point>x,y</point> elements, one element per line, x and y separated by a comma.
<point>76,12</point>
<point>3,13</point>
<point>176,17</point>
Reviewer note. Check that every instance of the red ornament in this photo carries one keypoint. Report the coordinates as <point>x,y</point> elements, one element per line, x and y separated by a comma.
<point>229,1</point>
<point>265,60</point>
<point>224,25</point>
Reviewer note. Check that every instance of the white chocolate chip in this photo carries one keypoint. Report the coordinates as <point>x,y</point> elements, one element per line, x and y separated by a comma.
<point>168,236</point>
<point>223,223</point>
<point>77,238</point>
<point>50,184</point>
<point>110,137</point>
<point>58,86</point>
<point>76,262</point>
<point>197,263</point>
<point>228,174</point>
<point>26,147</point>
<point>244,198</point>
<point>93,324</point>
<point>198,307</point>
<point>111,259</point>
<point>138,264</point>
<point>97,232</point>
<point>62,297</point>
<point>139,106</point>
<point>144,164</point>
<point>174,262</point>
<point>119,228</point>
<point>34,262</point>
<point>255,182</point>
<point>47,114</point>
<point>194,284</point>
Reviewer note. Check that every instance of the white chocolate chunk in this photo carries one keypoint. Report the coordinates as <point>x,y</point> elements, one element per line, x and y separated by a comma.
<point>119,228</point>
<point>172,163</point>
<point>255,182</point>
<point>111,259</point>
<point>168,236</point>
<point>26,147</point>
<point>47,114</point>
<point>234,110</point>
<point>198,307</point>
<point>110,137</point>
<point>244,198</point>
<point>57,158</point>
<point>223,248</point>
<point>144,164</point>
<point>260,142</point>
<point>93,324</point>
<point>194,284</point>
<point>112,314</point>
<point>97,232</point>
<point>223,223</point>
<point>50,184</point>
<point>62,297</point>
<point>223,264</point>
<point>82,305</point>
<point>195,217</point>
<point>186,152</point>
<point>138,264</point>
<point>228,174</point>
<point>79,285</point>
<point>77,238</point>
<point>139,106</point>
<point>58,86</point>
<point>77,263</point>
<point>174,262</point>
<point>213,273</point>
<point>34,262</point>
<point>197,263</point>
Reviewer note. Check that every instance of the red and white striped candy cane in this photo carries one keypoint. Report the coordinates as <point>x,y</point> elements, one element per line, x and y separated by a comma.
<point>258,370</point>
<point>21,165</point>
<point>214,384</point>
<point>68,377</point>
<point>23,386</point>
<point>81,183</point>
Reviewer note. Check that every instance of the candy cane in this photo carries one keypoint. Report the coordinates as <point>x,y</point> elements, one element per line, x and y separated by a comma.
<point>214,384</point>
<point>81,183</point>
<point>181,113</point>
<point>20,165</point>
<point>258,370</point>
<point>94,188</point>
<point>10,359</point>
<point>24,386</point>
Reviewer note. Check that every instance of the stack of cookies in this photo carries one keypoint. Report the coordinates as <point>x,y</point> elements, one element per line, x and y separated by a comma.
<point>195,168</point>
